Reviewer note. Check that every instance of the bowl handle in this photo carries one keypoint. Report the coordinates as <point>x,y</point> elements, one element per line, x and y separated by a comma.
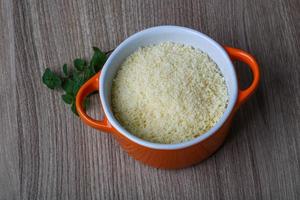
<point>240,55</point>
<point>87,88</point>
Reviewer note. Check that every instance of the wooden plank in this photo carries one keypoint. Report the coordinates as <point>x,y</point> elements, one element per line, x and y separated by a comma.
<point>9,136</point>
<point>48,153</point>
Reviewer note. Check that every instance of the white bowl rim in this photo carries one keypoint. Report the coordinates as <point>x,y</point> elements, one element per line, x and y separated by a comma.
<point>202,137</point>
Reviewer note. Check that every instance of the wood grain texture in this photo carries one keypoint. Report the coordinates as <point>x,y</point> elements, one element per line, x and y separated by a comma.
<point>48,153</point>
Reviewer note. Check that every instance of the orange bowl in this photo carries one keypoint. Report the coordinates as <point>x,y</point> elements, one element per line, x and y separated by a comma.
<point>169,156</point>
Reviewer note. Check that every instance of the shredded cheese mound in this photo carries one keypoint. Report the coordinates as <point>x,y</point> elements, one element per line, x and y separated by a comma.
<point>168,93</point>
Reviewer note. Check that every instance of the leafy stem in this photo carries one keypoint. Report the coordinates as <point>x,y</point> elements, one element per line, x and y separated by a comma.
<point>70,80</point>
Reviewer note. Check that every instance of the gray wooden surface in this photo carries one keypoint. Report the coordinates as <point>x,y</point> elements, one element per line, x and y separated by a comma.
<point>48,153</point>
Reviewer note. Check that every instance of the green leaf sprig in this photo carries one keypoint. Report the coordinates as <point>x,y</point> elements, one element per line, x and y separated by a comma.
<point>70,80</point>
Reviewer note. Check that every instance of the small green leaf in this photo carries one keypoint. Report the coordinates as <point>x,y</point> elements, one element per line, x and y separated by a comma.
<point>79,64</point>
<point>51,80</point>
<point>75,76</point>
<point>68,86</point>
<point>73,108</point>
<point>96,49</point>
<point>68,98</point>
<point>98,59</point>
<point>78,83</point>
<point>88,73</point>
<point>65,70</point>
<point>92,69</point>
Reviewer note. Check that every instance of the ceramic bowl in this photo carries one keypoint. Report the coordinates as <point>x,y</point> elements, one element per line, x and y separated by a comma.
<point>183,154</point>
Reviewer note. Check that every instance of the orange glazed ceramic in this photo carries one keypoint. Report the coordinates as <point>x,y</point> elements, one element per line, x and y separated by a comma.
<point>169,156</point>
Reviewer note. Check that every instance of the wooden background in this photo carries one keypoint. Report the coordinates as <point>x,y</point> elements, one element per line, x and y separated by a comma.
<point>48,153</point>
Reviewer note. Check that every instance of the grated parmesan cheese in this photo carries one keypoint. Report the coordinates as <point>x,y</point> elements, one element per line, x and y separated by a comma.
<point>168,93</point>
